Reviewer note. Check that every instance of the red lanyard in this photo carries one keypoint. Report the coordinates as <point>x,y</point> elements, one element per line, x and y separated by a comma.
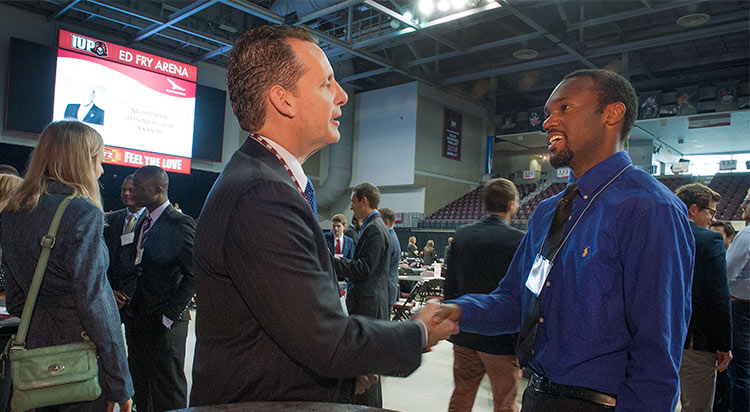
<point>263,140</point>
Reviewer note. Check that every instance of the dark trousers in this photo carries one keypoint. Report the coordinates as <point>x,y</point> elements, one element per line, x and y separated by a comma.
<point>156,357</point>
<point>739,367</point>
<point>534,401</point>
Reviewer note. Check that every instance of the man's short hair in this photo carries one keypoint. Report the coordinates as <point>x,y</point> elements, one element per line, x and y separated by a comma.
<point>729,230</point>
<point>697,194</point>
<point>8,170</point>
<point>613,88</point>
<point>339,218</point>
<point>154,174</point>
<point>498,193</point>
<point>388,214</point>
<point>261,58</point>
<point>369,191</point>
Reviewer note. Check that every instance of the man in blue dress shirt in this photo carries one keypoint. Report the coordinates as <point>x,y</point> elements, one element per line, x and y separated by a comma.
<point>614,304</point>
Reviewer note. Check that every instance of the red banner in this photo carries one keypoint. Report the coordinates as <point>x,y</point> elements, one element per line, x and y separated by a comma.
<point>136,158</point>
<point>131,57</point>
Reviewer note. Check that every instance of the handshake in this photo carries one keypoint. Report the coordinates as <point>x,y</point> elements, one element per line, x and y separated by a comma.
<point>440,321</point>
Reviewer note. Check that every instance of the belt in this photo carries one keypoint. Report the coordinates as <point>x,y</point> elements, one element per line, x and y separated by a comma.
<point>543,384</point>
<point>739,300</point>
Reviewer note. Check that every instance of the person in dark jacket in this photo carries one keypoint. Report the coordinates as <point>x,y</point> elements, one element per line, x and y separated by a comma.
<point>478,258</point>
<point>75,297</point>
<point>709,338</point>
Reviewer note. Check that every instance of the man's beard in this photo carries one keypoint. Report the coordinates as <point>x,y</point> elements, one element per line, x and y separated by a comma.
<point>562,159</point>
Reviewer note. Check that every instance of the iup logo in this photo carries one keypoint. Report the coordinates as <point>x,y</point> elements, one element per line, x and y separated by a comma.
<point>97,47</point>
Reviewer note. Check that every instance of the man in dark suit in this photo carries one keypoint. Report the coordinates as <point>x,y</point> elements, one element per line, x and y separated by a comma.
<point>394,255</point>
<point>338,243</point>
<point>353,229</point>
<point>270,325</point>
<point>709,338</point>
<point>119,236</point>
<point>87,111</point>
<point>369,270</point>
<point>164,287</point>
<point>478,258</point>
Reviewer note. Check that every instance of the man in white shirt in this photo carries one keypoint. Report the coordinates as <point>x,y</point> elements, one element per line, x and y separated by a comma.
<point>338,243</point>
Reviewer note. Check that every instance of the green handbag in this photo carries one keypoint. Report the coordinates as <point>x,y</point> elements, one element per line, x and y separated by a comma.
<point>51,375</point>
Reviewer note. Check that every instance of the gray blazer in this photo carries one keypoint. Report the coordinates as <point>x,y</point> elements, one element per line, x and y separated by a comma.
<point>270,326</point>
<point>75,295</point>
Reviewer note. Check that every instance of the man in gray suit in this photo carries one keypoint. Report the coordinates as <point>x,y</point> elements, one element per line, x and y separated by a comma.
<point>270,326</point>
<point>368,271</point>
<point>394,253</point>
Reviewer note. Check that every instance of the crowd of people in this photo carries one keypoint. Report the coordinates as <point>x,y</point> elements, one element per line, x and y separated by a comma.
<point>617,297</point>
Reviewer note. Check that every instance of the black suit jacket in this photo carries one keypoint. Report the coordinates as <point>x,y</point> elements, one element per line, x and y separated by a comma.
<point>368,271</point>
<point>478,258</point>
<point>95,115</point>
<point>270,326</point>
<point>710,324</point>
<point>122,273</point>
<point>165,280</point>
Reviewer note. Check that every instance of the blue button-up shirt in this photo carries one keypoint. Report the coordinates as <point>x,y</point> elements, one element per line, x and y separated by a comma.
<point>616,307</point>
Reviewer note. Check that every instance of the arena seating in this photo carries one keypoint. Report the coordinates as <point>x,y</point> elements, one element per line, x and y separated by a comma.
<point>733,189</point>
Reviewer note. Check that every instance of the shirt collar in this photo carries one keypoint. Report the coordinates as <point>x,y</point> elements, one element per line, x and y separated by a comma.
<point>291,161</point>
<point>158,211</point>
<point>138,213</point>
<point>600,174</point>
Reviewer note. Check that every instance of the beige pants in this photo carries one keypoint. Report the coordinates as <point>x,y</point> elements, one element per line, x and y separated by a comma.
<point>697,380</point>
<point>469,366</point>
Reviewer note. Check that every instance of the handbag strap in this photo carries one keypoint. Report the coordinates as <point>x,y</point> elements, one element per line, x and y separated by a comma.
<point>48,242</point>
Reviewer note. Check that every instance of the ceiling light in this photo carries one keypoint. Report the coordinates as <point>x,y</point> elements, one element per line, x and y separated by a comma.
<point>426,6</point>
<point>458,4</point>
<point>692,20</point>
<point>443,5</point>
<point>229,29</point>
<point>395,24</point>
<point>408,16</point>
<point>525,54</point>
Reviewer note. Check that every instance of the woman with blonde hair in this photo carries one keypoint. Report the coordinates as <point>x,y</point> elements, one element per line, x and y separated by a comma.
<point>429,254</point>
<point>412,249</point>
<point>75,298</point>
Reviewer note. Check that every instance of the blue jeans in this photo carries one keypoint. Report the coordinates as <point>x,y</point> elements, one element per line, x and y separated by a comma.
<point>739,367</point>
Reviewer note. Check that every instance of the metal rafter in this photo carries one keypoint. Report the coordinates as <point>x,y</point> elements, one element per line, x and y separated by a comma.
<point>173,18</point>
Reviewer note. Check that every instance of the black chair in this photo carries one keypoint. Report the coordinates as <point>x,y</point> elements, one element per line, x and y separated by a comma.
<point>403,307</point>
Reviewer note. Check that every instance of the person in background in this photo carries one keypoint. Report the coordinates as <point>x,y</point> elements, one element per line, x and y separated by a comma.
<point>709,339</point>
<point>338,243</point>
<point>726,230</point>
<point>738,273</point>
<point>164,288</point>
<point>75,296</point>
<point>429,254</point>
<point>119,236</point>
<point>723,391</point>
<point>394,251</point>
<point>412,249</point>
<point>447,250</point>
<point>8,170</point>
<point>8,184</point>
<point>368,271</point>
<point>353,229</point>
<point>478,258</point>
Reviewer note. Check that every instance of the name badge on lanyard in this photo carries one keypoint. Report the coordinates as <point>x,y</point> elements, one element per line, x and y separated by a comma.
<point>538,274</point>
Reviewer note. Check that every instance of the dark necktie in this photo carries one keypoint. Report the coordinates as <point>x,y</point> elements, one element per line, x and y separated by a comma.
<point>310,197</point>
<point>551,244</point>
<point>338,246</point>
<point>144,231</point>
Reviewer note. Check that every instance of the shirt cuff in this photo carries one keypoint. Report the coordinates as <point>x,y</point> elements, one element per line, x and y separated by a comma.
<point>423,330</point>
